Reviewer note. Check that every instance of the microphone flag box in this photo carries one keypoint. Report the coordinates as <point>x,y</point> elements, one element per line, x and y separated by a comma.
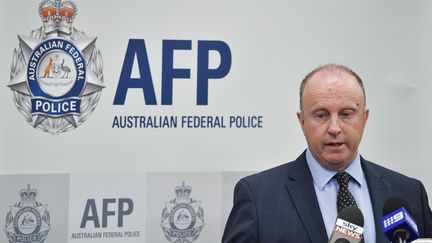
<point>349,229</point>
<point>399,221</point>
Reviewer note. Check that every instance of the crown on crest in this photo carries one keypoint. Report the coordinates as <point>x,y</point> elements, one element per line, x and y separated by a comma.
<point>183,190</point>
<point>28,195</point>
<point>57,15</point>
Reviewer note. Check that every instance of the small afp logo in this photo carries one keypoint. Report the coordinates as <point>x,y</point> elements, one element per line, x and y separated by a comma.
<point>27,221</point>
<point>183,217</point>
<point>57,71</point>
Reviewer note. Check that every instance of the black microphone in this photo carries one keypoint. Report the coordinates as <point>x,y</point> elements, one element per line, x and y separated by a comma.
<point>397,223</point>
<point>348,227</point>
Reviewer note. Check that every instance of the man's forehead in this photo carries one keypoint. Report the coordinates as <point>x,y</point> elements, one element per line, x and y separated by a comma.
<point>332,80</point>
<point>332,74</point>
<point>340,90</point>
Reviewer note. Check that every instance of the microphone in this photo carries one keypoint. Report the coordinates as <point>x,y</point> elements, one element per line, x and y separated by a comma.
<point>348,227</point>
<point>397,223</point>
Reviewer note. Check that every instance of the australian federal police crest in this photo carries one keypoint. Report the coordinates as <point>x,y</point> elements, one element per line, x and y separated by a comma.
<point>183,217</point>
<point>56,73</point>
<point>28,221</point>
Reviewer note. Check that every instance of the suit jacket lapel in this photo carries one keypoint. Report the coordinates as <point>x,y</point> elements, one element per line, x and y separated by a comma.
<point>300,187</point>
<point>379,191</point>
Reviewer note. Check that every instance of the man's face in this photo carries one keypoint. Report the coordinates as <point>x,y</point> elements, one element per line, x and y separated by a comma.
<point>333,117</point>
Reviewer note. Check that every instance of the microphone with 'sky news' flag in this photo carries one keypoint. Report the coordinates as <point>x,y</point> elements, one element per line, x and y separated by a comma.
<point>397,223</point>
<point>349,226</point>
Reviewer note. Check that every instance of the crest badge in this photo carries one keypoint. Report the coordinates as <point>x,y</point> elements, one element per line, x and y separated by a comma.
<point>183,217</point>
<point>56,74</point>
<point>28,221</point>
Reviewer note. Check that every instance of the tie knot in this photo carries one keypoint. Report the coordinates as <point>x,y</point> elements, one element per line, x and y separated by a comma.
<point>342,178</point>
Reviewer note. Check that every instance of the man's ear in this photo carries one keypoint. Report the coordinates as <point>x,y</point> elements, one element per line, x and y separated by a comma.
<point>365,117</point>
<point>300,118</point>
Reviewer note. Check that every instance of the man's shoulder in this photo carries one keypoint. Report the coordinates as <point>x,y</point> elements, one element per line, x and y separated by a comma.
<point>266,184</point>
<point>273,172</point>
<point>380,171</point>
<point>280,173</point>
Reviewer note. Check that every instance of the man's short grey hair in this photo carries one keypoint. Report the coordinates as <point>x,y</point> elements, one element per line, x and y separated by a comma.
<point>337,67</point>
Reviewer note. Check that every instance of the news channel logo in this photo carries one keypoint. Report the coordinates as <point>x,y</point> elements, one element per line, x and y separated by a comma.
<point>57,71</point>
<point>183,217</point>
<point>28,221</point>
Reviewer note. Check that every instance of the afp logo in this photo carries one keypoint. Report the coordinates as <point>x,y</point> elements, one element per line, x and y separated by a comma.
<point>137,48</point>
<point>56,73</point>
<point>183,217</point>
<point>28,221</point>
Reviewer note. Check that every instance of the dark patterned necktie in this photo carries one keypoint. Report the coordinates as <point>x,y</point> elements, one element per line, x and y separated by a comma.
<point>344,197</point>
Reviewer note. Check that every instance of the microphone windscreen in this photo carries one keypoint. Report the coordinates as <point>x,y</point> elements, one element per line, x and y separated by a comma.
<point>397,223</point>
<point>348,227</point>
<point>393,204</point>
<point>352,214</point>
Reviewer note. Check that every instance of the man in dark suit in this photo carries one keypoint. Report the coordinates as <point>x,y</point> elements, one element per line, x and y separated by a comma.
<point>299,201</point>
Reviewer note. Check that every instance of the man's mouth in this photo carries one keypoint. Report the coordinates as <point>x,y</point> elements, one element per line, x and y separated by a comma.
<point>335,145</point>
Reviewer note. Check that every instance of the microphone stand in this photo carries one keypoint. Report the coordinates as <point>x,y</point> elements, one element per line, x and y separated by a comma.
<point>401,236</point>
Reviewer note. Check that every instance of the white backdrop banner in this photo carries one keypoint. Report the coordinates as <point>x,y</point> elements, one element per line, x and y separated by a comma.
<point>107,107</point>
<point>134,207</point>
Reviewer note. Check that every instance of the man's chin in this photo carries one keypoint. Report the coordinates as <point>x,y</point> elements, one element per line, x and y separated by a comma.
<point>337,163</point>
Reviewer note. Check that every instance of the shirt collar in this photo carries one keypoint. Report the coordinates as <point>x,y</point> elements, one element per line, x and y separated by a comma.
<point>322,175</point>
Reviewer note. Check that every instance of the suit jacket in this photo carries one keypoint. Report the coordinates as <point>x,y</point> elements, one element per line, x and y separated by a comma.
<point>280,205</point>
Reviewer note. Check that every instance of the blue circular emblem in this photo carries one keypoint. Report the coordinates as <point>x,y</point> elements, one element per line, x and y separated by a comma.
<point>182,217</point>
<point>56,70</point>
<point>27,221</point>
<point>53,87</point>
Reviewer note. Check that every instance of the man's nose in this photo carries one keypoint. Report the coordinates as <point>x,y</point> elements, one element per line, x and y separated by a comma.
<point>334,128</point>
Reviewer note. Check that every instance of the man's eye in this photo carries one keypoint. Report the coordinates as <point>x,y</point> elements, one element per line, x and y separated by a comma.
<point>347,114</point>
<point>321,115</point>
